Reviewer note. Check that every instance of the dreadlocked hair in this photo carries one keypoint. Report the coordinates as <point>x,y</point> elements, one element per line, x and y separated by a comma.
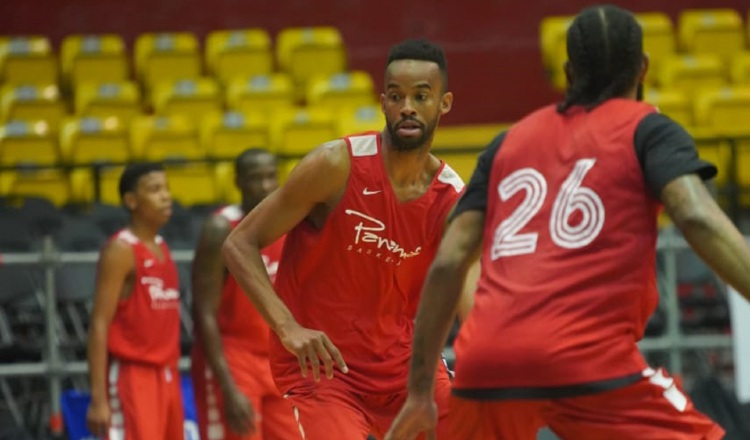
<point>605,52</point>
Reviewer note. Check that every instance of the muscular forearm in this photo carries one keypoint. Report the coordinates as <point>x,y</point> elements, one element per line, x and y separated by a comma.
<point>97,358</point>
<point>436,313</point>
<point>722,247</point>
<point>245,263</point>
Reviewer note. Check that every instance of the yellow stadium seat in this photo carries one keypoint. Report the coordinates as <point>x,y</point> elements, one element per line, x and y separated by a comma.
<point>93,58</point>
<point>165,57</point>
<point>32,102</point>
<point>714,31</point>
<point>109,183</point>
<point>158,138</point>
<point>349,89</point>
<point>658,39</point>
<point>121,100</point>
<point>94,140</point>
<point>739,68</point>
<point>225,136</point>
<point>690,73</point>
<point>726,110</point>
<point>238,53</point>
<point>27,143</point>
<point>305,53</point>
<point>228,192</point>
<point>296,131</point>
<point>85,182</point>
<point>27,60</point>
<point>359,119</point>
<point>673,103</point>
<point>193,184</point>
<point>52,184</point>
<point>553,32</point>
<point>192,98</point>
<point>265,93</point>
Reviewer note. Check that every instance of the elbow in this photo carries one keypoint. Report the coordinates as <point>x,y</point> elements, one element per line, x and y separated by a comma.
<point>693,220</point>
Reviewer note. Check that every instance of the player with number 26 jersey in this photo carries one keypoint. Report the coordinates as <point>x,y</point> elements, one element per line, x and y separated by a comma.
<point>573,247</point>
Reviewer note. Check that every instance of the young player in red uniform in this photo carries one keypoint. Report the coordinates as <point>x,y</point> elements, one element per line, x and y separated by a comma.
<point>234,391</point>
<point>563,207</point>
<point>364,216</point>
<point>134,346</point>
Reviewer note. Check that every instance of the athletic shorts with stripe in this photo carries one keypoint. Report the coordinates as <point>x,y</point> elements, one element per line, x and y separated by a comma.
<point>145,401</point>
<point>654,408</point>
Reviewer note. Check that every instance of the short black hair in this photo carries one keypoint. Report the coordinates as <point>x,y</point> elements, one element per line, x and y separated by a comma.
<point>423,50</point>
<point>133,172</point>
<point>605,53</point>
<point>247,154</point>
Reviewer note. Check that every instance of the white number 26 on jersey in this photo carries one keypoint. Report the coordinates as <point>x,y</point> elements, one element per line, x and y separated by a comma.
<point>571,198</point>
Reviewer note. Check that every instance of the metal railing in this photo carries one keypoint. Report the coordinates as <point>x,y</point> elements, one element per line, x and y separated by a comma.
<point>673,342</point>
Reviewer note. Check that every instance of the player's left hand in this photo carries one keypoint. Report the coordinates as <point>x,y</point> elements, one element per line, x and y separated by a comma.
<point>419,414</point>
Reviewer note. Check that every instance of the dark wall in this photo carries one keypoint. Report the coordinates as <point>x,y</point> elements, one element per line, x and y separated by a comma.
<point>492,45</point>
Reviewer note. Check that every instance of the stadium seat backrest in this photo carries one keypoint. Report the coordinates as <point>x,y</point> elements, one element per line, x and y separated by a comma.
<point>238,53</point>
<point>726,110</point>
<point>27,143</point>
<point>673,103</point>
<point>739,68</point>
<point>296,131</point>
<point>226,135</point>
<point>35,102</point>
<point>351,120</point>
<point>192,98</point>
<point>94,140</point>
<point>658,38</point>
<point>27,59</point>
<point>690,73</point>
<point>118,99</point>
<point>264,93</point>
<point>166,56</point>
<point>52,184</point>
<point>158,138</point>
<point>308,52</point>
<point>93,58</point>
<point>348,89</point>
<point>193,184</point>
<point>553,43</point>
<point>716,31</point>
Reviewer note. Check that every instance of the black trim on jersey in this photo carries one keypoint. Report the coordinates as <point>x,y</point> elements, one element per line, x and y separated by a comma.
<point>666,151</point>
<point>475,196</point>
<point>560,392</point>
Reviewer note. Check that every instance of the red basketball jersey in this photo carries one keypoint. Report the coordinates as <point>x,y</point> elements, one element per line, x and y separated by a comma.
<point>358,279</point>
<point>568,265</point>
<point>146,325</point>
<point>240,324</point>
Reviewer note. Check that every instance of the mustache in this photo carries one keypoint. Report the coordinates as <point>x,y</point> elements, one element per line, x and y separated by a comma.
<point>408,119</point>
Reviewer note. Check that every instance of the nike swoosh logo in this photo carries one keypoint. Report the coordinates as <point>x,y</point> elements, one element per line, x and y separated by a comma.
<point>368,192</point>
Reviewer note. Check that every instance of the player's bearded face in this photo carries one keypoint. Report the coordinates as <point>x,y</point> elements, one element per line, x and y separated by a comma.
<point>407,124</point>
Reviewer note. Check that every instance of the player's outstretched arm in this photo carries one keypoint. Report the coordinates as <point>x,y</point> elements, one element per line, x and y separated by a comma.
<point>208,280</point>
<point>708,230</point>
<point>440,298</point>
<point>116,263</point>
<point>315,184</point>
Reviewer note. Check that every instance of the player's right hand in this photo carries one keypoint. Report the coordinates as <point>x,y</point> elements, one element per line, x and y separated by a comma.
<point>239,413</point>
<point>97,418</point>
<point>311,347</point>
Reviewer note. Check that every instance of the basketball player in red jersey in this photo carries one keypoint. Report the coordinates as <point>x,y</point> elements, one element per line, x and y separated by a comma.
<point>364,216</point>
<point>133,345</point>
<point>234,391</point>
<point>563,208</point>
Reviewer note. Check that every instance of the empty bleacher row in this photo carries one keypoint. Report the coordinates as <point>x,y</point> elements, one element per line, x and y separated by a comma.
<point>699,75</point>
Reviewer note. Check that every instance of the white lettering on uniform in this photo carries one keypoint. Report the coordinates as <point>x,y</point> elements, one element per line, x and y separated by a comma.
<point>368,233</point>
